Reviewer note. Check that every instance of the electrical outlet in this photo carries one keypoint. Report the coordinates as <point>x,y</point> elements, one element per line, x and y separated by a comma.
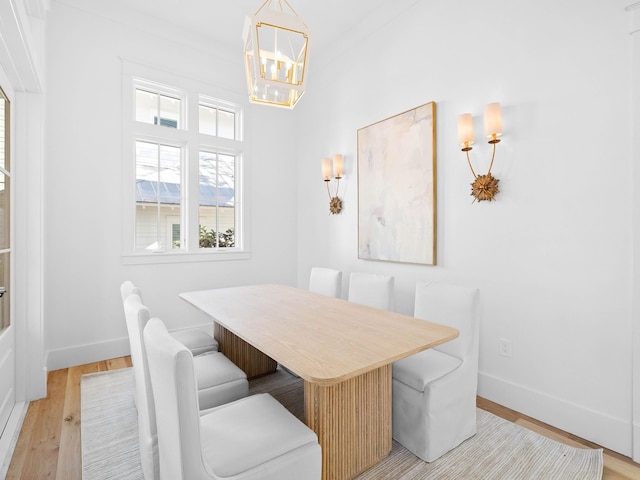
<point>505,347</point>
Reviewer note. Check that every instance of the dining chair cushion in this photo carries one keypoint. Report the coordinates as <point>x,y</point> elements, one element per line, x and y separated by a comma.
<point>371,289</point>
<point>219,380</point>
<point>419,370</point>
<point>197,341</point>
<point>233,436</point>
<point>325,281</point>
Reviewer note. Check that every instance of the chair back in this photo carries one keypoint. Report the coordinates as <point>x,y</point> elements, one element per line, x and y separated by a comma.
<point>127,288</point>
<point>325,281</point>
<point>175,395</point>
<point>454,306</point>
<point>371,289</point>
<point>137,316</point>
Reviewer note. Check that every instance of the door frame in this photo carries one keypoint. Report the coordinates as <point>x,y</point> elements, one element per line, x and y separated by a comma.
<point>9,359</point>
<point>21,72</point>
<point>634,31</point>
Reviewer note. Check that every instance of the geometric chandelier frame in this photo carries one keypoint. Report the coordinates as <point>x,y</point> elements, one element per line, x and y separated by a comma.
<point>276,50</point>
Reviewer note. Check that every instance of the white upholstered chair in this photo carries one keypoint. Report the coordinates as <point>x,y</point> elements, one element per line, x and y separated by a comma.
<point>434,391</point>
<point>197,341</point>
<point>254,438</point>
<point>371,289</point>
<point>218,381</point>
<point>325,281</point>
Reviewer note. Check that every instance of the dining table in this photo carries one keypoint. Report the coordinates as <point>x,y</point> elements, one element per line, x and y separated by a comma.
<point>342,350</point>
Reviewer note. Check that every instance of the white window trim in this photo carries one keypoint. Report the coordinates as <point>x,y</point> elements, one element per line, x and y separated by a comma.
<point>195,93</point>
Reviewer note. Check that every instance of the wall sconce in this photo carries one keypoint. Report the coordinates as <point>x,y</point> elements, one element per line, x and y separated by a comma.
<point>335,204</point>
<point>484,187</point>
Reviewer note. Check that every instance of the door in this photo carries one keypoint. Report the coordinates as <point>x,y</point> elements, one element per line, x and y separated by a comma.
<point>7,330</point>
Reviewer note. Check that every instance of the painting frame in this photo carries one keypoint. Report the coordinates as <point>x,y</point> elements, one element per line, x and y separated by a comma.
<point>397,188</point>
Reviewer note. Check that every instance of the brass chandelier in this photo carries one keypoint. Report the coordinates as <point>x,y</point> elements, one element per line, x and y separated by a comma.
<point>276,51</point>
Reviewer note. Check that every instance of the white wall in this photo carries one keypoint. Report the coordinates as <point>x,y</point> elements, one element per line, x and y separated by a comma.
<point>551,255</point>
<point>84,268</point>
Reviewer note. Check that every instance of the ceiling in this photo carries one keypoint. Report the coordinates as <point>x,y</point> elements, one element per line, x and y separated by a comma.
<point>221,21</point>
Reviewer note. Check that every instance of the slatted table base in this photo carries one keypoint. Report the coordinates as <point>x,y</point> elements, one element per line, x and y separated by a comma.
<point>353,422</point>
<point>248,358</point>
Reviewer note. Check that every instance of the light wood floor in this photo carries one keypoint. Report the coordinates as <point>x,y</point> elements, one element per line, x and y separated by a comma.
<point>49,443</point>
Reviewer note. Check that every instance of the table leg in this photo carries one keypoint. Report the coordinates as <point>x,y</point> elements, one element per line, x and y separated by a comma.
<point>353,422</point>
<point>248,358</point>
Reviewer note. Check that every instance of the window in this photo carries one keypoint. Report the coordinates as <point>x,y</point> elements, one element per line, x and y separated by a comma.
<point>184,171</point>
<point>158,194</point>
<point>157,109</point>
<point>216,210</point>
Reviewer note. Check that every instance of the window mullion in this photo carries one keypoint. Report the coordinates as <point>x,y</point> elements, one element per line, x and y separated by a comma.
<point>218,233</point>
<point>192,185</point>
<point>159,241</point>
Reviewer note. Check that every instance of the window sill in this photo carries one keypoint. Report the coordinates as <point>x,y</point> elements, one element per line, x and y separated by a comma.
<point>183,257</point>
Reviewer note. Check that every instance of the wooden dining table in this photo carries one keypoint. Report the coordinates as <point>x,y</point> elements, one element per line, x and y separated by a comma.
<point>342,350</point>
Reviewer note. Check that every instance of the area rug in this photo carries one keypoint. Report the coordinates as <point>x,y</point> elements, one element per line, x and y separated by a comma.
<point>501,450</point>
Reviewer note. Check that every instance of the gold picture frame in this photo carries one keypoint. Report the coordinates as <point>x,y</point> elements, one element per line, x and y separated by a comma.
<point>397,188</point>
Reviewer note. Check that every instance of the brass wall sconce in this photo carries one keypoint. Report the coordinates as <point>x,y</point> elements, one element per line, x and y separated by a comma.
<point>335,203</point>
<point>484,187</point>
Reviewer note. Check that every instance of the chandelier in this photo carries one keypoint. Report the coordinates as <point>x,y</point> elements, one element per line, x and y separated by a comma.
<point>276,51</point>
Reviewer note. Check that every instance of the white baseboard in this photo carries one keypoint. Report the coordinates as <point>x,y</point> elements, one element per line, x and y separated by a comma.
<point>10,435</point>
<point>612,433</point>
<point>96,352</point>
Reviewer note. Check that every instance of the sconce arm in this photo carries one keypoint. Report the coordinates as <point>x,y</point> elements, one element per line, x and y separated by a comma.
<point>494,142</point>
<point>469,162</point>
<point>328,191</point>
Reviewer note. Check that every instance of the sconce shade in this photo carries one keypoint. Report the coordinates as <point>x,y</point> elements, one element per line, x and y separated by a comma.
<point>338,168</point>
<point>492,120</point>
<point>465,129</point>
<point>326,168</point>
<point>276,50</point>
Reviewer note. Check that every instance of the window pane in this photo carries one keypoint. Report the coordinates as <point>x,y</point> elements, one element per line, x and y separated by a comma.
<point>146,106</point>
<point>227,124</point>
<point>207,120</point>
<point>175,233</point>
<point>158,195</point>
<point>4,211</point>
<point>4,132</point>
<point>169,112</point>
<point>226,200</point>
<point>217,200</point>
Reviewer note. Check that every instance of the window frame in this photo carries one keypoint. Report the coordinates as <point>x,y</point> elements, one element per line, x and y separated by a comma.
<point>192,94</point>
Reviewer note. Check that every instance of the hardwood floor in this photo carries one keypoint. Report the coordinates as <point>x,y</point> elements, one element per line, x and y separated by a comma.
<point>49,443</point>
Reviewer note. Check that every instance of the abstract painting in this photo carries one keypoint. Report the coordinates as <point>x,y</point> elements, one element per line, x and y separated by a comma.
<point>397,188</point>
